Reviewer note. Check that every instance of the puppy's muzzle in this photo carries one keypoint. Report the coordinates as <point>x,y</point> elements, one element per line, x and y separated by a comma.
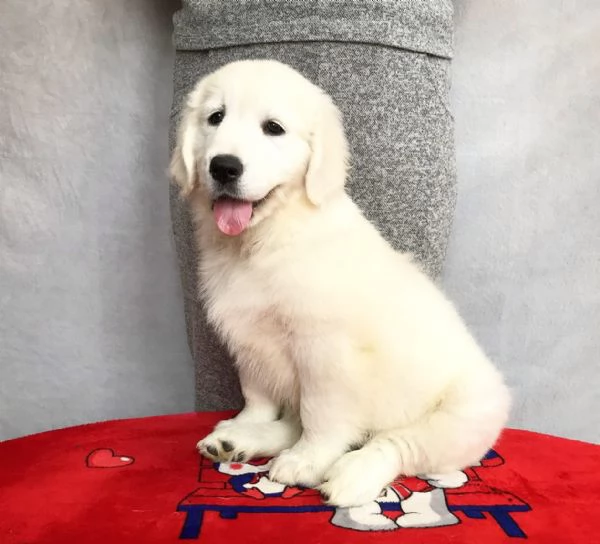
<point>226,170</point>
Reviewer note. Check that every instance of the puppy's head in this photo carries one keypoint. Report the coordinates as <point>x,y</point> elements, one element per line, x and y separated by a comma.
<point>252,130</point>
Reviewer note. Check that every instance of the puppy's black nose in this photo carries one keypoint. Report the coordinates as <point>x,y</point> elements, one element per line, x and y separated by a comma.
<point>225,169</point>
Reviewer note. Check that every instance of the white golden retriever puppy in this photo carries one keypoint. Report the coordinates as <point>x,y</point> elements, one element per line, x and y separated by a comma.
<point>355,368</point>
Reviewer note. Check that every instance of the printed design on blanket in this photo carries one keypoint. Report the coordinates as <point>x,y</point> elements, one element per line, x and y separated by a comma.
<point>433,500</point>
<point>107,458</point>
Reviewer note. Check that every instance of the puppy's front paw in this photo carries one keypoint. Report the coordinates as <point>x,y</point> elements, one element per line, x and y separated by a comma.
<point>298,468</point>
<point>357,478</point>
<point>229,442</point>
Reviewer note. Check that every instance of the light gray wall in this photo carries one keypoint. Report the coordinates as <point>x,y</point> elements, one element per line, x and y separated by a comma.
<point>524,260</point>
<point>91,323</point>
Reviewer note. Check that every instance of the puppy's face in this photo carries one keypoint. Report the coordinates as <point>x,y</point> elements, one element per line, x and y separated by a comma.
<point>254,129</point>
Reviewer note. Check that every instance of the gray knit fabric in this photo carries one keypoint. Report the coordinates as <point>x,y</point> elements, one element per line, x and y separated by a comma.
<point>417,25</point>
<point>388,71</point>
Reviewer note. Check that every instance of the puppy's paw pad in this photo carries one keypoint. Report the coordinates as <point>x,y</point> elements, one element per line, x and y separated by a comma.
<point>214,450</point>
<point>227,446</point>
<point>228,443</point>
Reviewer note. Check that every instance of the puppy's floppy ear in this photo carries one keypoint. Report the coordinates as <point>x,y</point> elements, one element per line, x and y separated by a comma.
<point>183,161</point>
<point>328,164</point>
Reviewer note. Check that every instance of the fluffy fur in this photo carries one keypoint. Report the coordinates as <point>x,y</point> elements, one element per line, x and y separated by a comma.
<point>354,366</point>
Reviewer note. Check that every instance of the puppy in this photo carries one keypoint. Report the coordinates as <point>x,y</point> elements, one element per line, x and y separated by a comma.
<point>355,368</point>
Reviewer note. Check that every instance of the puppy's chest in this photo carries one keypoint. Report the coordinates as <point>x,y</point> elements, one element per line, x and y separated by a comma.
<point>245,309</point>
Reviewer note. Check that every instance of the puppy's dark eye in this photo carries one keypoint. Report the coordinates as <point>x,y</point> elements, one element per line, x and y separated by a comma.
<point>272,128</point>
<point>215,118</point>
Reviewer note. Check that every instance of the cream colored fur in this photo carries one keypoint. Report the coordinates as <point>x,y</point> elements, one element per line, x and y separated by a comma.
<point>340,341</point>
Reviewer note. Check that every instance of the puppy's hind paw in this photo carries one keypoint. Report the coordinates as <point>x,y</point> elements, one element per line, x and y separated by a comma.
<point>357,478</point>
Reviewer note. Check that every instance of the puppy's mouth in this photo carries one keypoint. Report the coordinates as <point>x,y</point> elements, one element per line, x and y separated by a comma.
<point>233,215</point>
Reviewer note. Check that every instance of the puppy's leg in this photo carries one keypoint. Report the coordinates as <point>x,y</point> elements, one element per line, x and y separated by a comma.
<point>455,435</point>
<point>328,410</point>
<point>257,431</point>
<point>259,407</point>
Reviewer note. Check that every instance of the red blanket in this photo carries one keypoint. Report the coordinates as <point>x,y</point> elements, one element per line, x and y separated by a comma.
<point>141,481</point>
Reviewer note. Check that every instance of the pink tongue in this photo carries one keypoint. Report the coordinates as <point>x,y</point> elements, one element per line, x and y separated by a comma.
<point>232,216</point>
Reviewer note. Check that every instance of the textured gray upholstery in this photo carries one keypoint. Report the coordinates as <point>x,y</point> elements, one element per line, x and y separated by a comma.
<point>386,63</point>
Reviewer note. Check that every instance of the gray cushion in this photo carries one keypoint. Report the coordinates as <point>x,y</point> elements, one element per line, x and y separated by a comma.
<point>386,63</point>
<point>417,25</point>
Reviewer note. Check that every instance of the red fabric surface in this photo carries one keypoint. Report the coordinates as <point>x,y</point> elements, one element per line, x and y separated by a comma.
<point>141,481</point>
